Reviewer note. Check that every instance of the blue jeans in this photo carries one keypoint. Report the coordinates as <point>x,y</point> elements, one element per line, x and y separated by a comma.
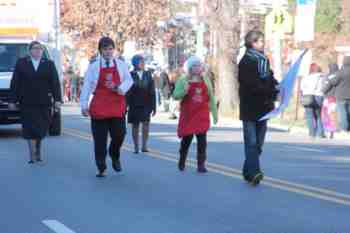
<point>343,113</point>
<point>314,121</point>
<point>254,136</point>
<point>74,92</point>
<point>158,97</point>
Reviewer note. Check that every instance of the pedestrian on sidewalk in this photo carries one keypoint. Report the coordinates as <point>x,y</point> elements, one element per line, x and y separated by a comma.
<point>35,86</point>
<point>141,100</point>
<point>74,83</point>
<point>312,100</point>
<point>173,103</point>
<point>165,89</point>
<point>342,94</point>
<point>156,79</point>
<point>197,101</point>
<point>66,89</point>
<point>329,116</point>
<point>257,93</point>
<point>107,79</point>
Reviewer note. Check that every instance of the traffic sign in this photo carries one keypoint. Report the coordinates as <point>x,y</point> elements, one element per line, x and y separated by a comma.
<point>279,21</point>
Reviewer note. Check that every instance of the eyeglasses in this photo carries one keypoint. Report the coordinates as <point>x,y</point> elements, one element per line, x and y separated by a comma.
<point>36,48</point>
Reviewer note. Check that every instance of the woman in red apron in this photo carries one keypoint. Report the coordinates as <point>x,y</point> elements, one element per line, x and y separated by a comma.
<point>194,90</point>
<point>108,80</point>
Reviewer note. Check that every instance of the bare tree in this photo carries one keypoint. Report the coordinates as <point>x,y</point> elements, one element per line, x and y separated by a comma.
<point>224,25</point>
<point>87,20</point>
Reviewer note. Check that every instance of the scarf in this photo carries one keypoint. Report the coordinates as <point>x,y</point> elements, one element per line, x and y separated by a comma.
<point>263,62</point>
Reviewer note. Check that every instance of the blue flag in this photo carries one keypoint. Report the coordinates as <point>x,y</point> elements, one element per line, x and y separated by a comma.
<point>286,88</point>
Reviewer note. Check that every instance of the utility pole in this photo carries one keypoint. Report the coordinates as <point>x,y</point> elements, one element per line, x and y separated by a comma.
<point>57,22</point>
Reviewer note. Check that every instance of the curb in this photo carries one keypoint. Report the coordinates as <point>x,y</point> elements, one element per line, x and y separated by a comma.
<point>224,121</point>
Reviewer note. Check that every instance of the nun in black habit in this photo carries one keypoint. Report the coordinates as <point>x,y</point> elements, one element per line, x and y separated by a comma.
<point>35,87</point>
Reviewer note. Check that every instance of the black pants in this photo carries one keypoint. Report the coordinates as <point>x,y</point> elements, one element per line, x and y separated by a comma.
<point>201,143</point>
<point>100,128</point>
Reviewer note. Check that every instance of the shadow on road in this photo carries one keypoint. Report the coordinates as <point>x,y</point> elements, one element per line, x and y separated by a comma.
<point>10,132</point>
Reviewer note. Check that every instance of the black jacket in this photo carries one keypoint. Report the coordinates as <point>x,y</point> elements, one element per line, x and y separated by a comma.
<point>142,93</point>
<point>35,88</point>
<point>256,95</point>
<point>342,81</point>
<point>327,88</point>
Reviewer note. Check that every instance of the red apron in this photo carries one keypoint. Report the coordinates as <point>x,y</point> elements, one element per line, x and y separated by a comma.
<point>194,110</point>
<point>107,103</point>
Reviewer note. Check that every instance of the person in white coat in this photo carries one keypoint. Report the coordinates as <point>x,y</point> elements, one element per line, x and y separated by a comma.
<point>311,87</point>
<point>107,80</point>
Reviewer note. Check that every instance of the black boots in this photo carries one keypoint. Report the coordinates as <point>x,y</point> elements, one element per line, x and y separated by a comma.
<point>201,158</point>
<point>182,161</point>
<point>117,167</point>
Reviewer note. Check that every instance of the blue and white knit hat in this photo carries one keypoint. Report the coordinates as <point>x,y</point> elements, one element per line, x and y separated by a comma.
<point>190,62</point>
<point>136,60</point>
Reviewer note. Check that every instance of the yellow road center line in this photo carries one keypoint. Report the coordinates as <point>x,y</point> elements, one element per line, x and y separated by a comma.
<point>306,190</point>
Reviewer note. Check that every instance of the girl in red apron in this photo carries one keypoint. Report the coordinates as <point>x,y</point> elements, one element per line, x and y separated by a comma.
<point>195,92</point>
<point>107,79</point>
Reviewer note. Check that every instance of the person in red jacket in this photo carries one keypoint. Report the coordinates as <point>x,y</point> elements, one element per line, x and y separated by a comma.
<point>108,80</point>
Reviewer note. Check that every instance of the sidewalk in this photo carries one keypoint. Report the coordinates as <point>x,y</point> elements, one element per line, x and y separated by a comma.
<point>229,122</point>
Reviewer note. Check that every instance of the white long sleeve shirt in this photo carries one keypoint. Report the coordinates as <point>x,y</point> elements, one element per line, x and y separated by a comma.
<point>312,84</point>
<point>92,76</point>
<point>35,63</point>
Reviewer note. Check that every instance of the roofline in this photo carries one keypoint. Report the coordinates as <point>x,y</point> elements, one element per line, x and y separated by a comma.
<point>342,48</point>
<point>18,40</point>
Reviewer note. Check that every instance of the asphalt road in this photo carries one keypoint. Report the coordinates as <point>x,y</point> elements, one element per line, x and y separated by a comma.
<point>306,187</point>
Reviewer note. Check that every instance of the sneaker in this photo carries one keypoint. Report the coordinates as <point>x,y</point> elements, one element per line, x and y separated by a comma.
<point>201,164</point>
<point>101,174</point>
<point>116,165</point>
<point>257,178</point>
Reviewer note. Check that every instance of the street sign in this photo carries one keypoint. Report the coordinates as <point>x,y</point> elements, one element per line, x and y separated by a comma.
<point>279,21</point>
<point>305,20</point>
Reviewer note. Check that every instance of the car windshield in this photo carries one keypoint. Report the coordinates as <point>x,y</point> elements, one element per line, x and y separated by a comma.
<point>9,53</point>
